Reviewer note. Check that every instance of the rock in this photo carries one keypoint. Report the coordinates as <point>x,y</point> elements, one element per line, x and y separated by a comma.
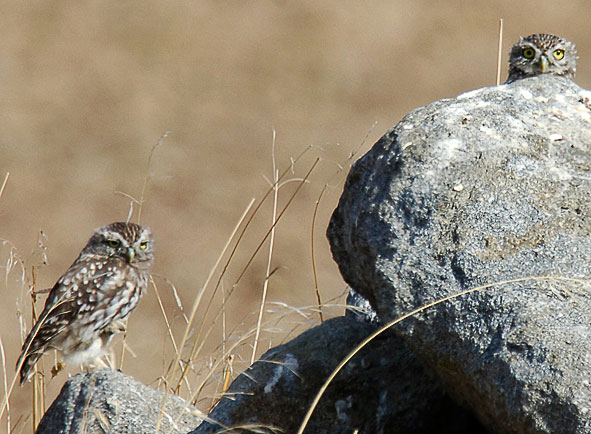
<point>383,389</point>
<point>360,309</point>
<point>490,186</point>
<point>109,401</point>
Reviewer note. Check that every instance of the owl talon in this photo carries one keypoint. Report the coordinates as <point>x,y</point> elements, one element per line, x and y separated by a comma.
<point>116,327</point>
<point>57,368</point>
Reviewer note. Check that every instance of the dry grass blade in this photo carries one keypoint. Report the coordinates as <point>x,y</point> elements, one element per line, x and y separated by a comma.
<point>38,399</point>
<point>20,424</point>
<point>314,215</point>
<point>196,305</point>
<point>229,370</point>
<point>381,330</point>
<point>222,361</point>
<point>256,429</point>
<point>4,183</point>
<point>147,177</point>
<point>271,244</point>
<point>168,327</point>
<point>124,348</point>
<point>500,52</point>
<point>254,213</point>
<point>304,180</point>
<point>196,349</point>
<point>231,256</point>
<point>5,382</point>
<point>243,339</point>
<point>177,299</point>
<point>314,272</point>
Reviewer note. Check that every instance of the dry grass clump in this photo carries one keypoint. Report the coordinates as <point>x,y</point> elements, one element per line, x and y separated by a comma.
<point>192,367</point>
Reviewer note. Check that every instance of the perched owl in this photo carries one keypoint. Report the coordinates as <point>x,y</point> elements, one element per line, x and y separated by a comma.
<point>89,302</point>
<point>542,54</point>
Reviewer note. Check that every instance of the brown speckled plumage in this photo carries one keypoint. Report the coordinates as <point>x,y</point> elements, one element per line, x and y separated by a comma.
<point>89,303</point>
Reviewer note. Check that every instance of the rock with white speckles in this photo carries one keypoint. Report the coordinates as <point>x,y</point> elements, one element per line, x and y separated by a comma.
<point>404,234</point>
<point>361,309</point>
<point>384,389</point>
<point>109,401</point>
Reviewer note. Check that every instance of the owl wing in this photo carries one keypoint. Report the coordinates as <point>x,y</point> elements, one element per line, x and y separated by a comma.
<point>54,318</point>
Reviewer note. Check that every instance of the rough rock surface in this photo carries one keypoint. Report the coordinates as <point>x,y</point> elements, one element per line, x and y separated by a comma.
<point>109,401</point>
<point>360,308</point>
<point>489,186</point>
<point>384,389</point>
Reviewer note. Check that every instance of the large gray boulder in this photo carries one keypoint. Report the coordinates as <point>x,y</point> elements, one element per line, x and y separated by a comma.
<point>111,402</point>
<point>490,186</point>
<point>384,389</point>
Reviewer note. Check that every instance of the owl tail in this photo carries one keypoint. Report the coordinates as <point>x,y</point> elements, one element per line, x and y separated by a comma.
<point>31,351</point>
<point>26,365</point>
<point>41,336</point>
<point>37,341</point>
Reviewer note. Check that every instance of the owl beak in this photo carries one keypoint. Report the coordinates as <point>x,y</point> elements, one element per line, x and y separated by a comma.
<point>130,255</point>
<point>543,64</point>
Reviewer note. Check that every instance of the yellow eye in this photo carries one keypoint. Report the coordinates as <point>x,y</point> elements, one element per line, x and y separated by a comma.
<point>528,53</point>
<point>558,54</point>
<point>114,243</point>
<point>144,245</point>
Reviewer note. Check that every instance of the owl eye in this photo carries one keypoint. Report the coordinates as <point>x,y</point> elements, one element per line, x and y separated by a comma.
<point>114,243</point>
<point>528,53</point>
<point>144,245</point>
<point>558,54</point>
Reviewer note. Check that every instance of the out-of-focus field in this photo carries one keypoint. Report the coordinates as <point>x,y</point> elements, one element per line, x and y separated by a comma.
<point>87,88</point>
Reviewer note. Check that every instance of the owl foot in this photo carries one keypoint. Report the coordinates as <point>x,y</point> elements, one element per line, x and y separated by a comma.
<point>57,368</point>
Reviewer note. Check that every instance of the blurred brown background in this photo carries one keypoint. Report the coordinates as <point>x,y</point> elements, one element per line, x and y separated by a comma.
<point>87,88</point>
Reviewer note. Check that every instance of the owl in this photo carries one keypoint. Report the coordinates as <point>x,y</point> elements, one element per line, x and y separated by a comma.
<point>90,302</point>
<point>542,54</point>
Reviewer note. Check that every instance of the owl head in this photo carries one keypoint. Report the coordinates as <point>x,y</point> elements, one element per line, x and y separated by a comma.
<point>542,54</point>
<point>128,241</point>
